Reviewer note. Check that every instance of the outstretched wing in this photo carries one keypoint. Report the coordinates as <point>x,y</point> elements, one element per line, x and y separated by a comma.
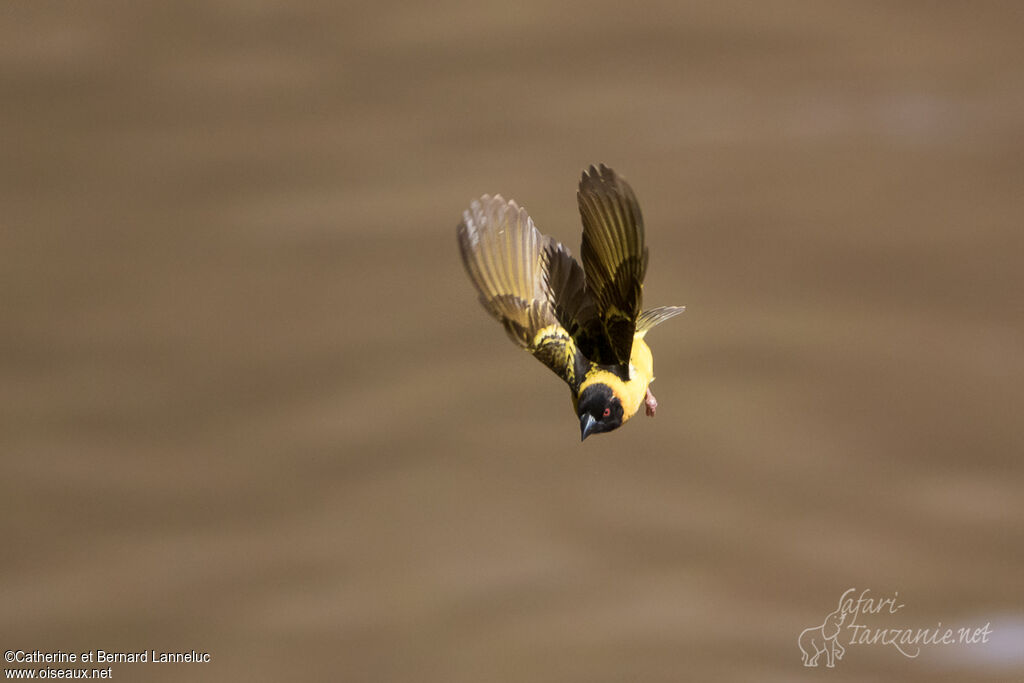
<point>614,258</point>
<point>516,270</point>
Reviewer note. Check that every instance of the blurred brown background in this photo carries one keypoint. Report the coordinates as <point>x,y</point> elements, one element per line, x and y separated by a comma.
<point>251,406</point>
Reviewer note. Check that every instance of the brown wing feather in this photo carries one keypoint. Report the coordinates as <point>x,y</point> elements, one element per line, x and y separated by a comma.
<point>508,260</point>
<point>614,256</point>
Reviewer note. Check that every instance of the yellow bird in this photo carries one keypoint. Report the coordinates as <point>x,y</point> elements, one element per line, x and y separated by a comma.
<point>586,324</point>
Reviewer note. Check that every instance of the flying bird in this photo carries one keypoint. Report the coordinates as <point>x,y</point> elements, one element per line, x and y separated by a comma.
<point>587,323</point>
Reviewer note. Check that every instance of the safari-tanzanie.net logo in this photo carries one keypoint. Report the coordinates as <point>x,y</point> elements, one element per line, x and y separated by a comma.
<point>847,626</point>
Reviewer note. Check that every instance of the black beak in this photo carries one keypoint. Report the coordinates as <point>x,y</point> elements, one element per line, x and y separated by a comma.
<point>587,423</point>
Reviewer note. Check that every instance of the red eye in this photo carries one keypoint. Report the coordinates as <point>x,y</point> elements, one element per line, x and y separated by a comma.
<point>607,412</point>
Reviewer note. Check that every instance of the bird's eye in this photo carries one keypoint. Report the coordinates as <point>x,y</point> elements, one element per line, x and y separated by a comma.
<point>607,412</point>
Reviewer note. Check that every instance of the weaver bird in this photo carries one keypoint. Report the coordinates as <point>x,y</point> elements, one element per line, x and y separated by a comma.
<point>586,324</point>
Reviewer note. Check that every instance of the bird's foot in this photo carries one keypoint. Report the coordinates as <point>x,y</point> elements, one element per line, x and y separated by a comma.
<point>651,403</point>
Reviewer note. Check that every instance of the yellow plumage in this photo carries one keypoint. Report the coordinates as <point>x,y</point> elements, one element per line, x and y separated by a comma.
<point>631,392</point>
<point>585,323</point>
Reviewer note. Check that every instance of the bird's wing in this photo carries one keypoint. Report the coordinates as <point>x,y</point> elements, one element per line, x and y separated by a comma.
<point>523,281</point>
<point>614,258</point>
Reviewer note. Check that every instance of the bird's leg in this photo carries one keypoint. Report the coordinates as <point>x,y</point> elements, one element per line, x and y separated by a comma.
<point>651,403</point>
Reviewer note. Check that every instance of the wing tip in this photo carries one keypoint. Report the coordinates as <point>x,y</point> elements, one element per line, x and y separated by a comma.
<point>490,209</point>
<point>602,173</point>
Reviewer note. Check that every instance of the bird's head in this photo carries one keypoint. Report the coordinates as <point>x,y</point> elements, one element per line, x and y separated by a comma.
<point>599,410</point>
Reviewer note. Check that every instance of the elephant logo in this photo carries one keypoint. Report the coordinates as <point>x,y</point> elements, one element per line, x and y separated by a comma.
<point>823,639</point>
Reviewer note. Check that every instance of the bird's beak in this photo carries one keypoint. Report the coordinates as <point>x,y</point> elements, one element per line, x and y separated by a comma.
<point>587,423</point>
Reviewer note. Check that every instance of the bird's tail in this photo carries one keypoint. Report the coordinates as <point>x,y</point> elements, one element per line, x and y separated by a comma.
<point>655,316</point>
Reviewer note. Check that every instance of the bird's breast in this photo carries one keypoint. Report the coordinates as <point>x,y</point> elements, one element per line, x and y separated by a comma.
<point>631,392</point>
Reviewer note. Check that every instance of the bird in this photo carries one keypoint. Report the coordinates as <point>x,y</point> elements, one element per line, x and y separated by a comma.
<point>586,323</point>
